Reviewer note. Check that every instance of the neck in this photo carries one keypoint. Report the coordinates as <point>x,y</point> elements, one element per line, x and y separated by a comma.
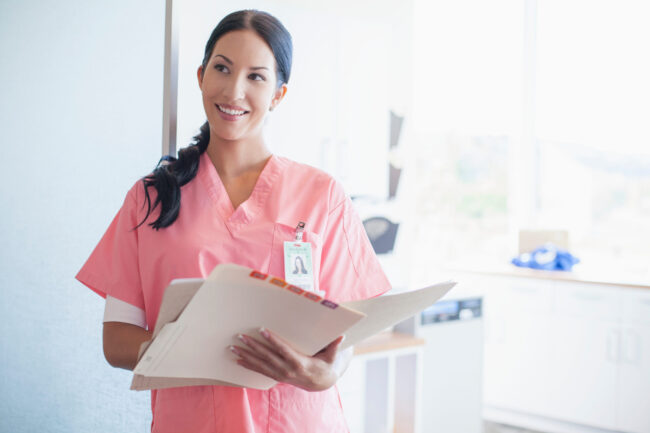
<point>235,158</point>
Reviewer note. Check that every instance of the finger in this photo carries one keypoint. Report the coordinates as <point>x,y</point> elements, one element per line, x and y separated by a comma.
<point>262,351</point>
<point>254,358</point>
<point>258,365</point>
<point>288,353</point>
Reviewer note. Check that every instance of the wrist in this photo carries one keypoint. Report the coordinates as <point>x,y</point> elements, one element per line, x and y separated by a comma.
<point>324,381</point>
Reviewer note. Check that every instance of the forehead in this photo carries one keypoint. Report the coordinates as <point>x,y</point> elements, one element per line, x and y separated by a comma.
<point>244,48</point>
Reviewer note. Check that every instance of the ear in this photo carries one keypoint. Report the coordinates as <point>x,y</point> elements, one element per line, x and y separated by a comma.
<point>278,96</point>
<point>199,75</point>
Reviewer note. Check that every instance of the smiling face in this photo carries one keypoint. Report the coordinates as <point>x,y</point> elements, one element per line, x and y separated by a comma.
<point>239,86</point>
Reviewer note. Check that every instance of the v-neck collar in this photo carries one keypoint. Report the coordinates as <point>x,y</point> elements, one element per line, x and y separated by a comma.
<point>245,212</point>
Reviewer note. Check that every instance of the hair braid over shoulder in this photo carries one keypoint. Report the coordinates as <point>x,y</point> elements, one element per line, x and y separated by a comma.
<point>168,178</point>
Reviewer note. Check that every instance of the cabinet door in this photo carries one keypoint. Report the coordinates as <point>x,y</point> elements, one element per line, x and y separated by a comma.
<point>495,370</point>
<point>584,364</point>
<point>362,104</point>
<point>634,387</point>
<point>584,358</point>
<point>634,372</point>
<point>352,393</point>
<point>303,127</point>
<point>517,349</point>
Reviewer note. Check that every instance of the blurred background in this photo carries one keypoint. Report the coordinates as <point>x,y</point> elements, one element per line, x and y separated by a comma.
<point>466,131</point>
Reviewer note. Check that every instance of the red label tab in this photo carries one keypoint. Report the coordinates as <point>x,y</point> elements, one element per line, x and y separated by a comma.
<point>259,275</point>
<point>296,290</point>
<point>312,296</point>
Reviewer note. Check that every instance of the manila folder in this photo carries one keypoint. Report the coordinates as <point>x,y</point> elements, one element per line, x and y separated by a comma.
<point>233,300</point>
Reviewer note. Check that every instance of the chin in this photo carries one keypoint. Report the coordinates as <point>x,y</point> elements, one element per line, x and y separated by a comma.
<point>230,137</point>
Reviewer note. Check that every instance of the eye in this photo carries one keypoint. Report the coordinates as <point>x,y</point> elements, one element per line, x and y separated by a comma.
<point>256,77</point>
<point>221,67</point>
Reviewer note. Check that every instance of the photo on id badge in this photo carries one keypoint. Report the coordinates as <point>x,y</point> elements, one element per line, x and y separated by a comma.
<point>298,265</point>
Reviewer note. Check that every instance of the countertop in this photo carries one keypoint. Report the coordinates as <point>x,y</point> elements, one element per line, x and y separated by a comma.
<point>581,275</point>
<point>386,341</point>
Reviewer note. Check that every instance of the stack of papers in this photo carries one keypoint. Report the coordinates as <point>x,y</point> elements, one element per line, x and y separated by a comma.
<point>199,319</point>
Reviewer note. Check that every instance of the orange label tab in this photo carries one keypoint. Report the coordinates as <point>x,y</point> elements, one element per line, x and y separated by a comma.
<point>278,282</point>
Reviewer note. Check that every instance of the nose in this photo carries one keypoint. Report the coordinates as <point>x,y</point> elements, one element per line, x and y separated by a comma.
<point>235,88</point>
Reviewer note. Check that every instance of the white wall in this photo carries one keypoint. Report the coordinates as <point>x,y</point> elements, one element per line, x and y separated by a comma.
<point>80,121</point>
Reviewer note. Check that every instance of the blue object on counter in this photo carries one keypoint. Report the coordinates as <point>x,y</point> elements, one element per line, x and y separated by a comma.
<point>547,257</point>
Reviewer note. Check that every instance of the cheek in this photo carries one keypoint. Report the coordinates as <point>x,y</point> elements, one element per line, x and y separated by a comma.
<point>211,85</point>
<point>209,91</point>
<point>263,96</point>
<point>208,105</point>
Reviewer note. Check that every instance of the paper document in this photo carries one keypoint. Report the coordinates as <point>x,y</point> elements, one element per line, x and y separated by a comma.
<point>199,319</point>
<point>385,311</point>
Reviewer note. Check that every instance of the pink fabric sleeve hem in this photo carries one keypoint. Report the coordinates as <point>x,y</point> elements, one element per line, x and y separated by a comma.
<point>94,284</point>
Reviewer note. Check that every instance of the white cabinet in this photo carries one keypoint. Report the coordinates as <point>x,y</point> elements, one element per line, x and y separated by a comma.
<point>583,358</point>
<point>352,392</point>
<point>584,369</point>
<point>336,113</point>
<point>362,105</point>
<point>517,345</point>
<point>634,373</point>
<point>572,352</point>
<point>451,377</point>
<point>381,390</point>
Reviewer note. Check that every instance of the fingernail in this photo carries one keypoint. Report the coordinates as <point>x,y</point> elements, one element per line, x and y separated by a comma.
<point>234,349</point>
<point>242,338</point>
<point>264,332</point>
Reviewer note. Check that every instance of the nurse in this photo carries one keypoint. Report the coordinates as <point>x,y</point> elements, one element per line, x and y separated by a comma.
<point>228,199</point>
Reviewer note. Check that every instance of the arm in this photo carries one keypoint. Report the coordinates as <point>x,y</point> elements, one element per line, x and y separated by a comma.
<point>122,343</point>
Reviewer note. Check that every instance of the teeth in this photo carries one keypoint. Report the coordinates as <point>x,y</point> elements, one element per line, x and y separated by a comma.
<point>231,112</point>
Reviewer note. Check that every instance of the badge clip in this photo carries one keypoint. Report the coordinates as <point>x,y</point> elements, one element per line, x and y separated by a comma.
<point>300,228</point>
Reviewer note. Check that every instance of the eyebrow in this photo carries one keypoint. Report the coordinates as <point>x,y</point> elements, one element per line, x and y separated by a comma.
<point>255,68</point>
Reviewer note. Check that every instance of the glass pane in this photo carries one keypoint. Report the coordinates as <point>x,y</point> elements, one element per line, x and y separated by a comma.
<point>467,115</point>
<point>592,116</point>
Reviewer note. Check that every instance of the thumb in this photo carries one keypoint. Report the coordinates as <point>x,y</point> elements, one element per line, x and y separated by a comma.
<point>329,353</point>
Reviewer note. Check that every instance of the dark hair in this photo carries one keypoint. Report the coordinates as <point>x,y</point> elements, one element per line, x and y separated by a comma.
<point>302,266</point>
<point>172,173</point>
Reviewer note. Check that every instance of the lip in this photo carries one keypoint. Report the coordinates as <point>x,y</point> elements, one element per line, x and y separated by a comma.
<point>230,117</point>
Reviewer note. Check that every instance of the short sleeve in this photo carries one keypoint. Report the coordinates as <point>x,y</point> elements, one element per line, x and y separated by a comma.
<point>349,267</point>
<point>113,268</point>
<point>120,311</point>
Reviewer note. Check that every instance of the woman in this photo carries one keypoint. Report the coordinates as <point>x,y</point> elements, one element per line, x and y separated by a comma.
<point>299,266</point>
<point>227,199</point>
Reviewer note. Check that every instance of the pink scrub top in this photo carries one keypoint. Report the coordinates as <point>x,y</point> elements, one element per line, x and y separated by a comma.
<point>136,266</point>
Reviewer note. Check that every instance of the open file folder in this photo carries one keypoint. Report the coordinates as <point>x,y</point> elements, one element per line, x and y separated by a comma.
<point>199,319</point>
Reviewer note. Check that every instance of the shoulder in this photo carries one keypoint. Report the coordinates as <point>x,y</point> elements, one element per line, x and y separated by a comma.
<point>138,199</point>
<point>313,180</point>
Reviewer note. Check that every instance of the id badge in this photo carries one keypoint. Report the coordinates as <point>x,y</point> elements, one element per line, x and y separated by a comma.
<point>298,269</point>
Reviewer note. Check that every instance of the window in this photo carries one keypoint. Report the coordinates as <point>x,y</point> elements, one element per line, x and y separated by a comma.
<point>467,116</point>
<point>533,115</point>
<point>592,111</point>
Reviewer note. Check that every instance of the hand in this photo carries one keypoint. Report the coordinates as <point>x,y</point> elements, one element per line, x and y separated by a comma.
<point>276,359</point>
